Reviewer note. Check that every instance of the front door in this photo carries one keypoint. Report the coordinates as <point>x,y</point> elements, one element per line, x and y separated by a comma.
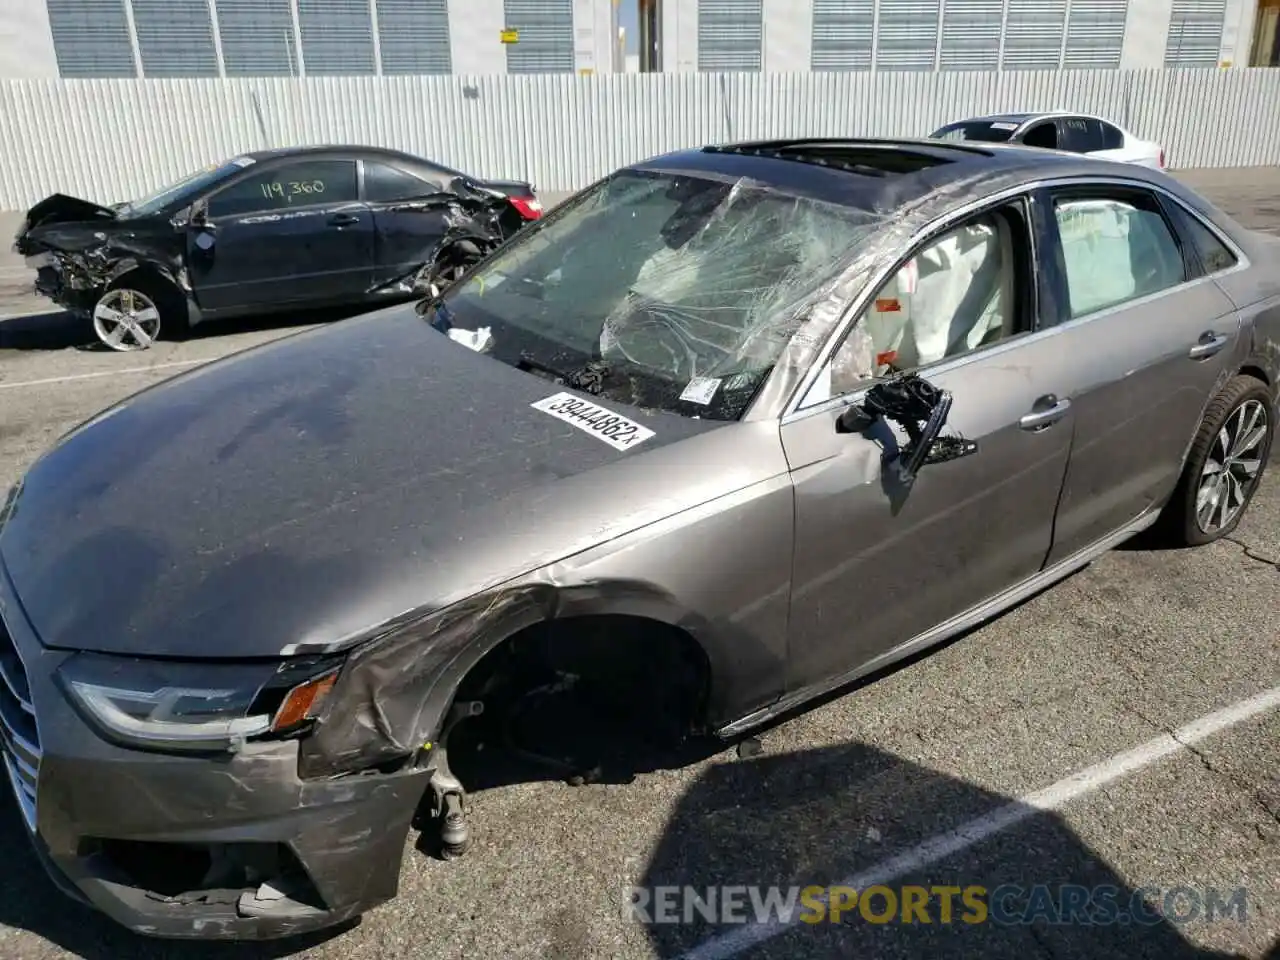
<point>876,565</point>
<point>292,233</point>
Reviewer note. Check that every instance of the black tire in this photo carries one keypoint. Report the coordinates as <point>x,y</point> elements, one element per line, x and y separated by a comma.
<point>175,319</point>
<point>1179,521</point>
<point>453,263</point>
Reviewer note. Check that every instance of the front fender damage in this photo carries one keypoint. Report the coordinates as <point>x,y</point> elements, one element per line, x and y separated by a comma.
<point>84,262</point>
<point>394,692</point>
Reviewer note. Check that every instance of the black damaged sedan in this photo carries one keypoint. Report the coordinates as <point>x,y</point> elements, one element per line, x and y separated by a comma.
<point>268,232</point>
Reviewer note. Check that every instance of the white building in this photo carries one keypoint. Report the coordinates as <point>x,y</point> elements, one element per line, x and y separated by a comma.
<point>803,35</point>
<point>245,38</point>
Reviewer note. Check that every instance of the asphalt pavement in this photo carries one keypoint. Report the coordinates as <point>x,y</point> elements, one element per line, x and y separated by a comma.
<point>1120,730</point>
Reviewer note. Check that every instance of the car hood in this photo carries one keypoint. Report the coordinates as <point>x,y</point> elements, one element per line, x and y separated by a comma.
<point>306,491</point>
<point>60,208</point>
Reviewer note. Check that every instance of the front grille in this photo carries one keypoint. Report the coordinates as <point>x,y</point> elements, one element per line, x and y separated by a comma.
<point>21,741</point>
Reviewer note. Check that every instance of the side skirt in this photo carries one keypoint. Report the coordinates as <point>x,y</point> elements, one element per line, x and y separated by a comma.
<point>944,631</point>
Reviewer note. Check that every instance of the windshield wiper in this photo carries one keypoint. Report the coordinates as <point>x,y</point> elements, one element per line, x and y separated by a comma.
<point>589,378</point>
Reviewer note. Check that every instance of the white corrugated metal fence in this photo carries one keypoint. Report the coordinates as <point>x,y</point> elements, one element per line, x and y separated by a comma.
<point>110,140</point>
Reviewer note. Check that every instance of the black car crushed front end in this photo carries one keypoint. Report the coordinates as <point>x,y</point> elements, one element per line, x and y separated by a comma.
<point>78,248</point>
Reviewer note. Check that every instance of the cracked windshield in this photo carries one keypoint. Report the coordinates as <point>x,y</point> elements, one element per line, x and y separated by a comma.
<point>670,292</point>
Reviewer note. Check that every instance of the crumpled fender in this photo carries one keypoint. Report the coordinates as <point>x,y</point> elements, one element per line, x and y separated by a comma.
<point>394,691</point>
<point>100,254</point>
<point>471,213</point>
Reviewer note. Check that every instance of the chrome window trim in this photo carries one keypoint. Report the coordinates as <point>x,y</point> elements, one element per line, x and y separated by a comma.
<point>792,410</point>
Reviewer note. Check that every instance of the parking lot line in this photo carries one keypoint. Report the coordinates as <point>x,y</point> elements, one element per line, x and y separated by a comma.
<point>1053,797</point>
<point>104,373</point>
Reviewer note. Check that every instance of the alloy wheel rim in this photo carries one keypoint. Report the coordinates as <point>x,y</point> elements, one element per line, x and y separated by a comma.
<point>1231,469</point>
<point>126,320</point>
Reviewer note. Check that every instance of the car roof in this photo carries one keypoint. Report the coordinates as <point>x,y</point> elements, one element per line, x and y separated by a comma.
<point>327,150</point>
<point>1024,118</point>
<point>883,176</point>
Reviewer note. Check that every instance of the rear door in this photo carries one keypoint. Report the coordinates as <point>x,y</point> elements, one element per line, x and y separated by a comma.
<point>1146,338</point>
<point>411,214</point>
<point>1112,144</point>
<point>292,232</point>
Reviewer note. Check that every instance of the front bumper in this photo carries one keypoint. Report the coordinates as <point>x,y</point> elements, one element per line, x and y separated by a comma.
<point>234,847</point>
<point>51,283</point>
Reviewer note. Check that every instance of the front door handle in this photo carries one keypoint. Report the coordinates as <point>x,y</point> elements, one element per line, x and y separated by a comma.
<point>1208,344</point>
<point>343,220</point>
<point>1046,411</point>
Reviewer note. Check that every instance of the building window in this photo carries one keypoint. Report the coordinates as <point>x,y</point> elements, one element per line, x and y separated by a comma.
<point>971,34</point>
<point>1033,34</point>
<point>257,38</point>
<point>545,36</point>
<point>1095,34</point>
<point>91,38</point>
<point>337,37</point>
<point>730,35</point>
<point>1195,33</point>
<point>908,35</point>
<point>843,34</point>
<point>175,38</point>
<point>414,36</point>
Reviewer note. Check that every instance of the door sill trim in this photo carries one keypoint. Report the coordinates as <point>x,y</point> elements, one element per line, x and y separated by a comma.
<point>972,617</point>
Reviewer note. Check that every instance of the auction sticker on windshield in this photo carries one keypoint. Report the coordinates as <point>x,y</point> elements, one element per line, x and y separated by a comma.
<point>602,423</point>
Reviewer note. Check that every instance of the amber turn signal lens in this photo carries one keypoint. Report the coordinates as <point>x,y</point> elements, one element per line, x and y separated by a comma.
<point>304,701</point>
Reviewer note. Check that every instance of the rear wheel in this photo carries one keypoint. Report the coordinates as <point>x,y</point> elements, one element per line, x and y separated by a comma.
<point>451,265</point>
<point>1226,462</point>
<point>134,310</point>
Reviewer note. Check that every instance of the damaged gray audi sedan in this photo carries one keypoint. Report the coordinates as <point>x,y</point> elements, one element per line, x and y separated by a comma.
<point>725,431</point>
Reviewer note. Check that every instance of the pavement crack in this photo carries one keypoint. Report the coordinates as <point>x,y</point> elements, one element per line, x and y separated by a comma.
<point>1251,554</point>
<point>1272,808</point>
<point>1153,724</point>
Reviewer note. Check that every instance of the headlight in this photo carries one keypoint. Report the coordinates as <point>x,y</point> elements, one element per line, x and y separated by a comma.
<point>163,705</point>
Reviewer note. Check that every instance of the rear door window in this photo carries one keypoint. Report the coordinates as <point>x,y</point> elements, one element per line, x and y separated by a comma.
<point>1079,134</point>
<point>1112,138</point>
<point>1115,248</point>
<point>1214,255</point>
<point>385,184</point>
<point>304,183</point>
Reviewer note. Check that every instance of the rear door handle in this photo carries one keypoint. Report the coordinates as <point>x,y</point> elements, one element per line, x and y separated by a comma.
<point>1208,344</point>
<point>1047,411</point>
<point>343,220</point>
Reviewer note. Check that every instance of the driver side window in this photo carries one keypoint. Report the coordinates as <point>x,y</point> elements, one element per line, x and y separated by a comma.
<point>957,294</point>
<point>1043,134</point>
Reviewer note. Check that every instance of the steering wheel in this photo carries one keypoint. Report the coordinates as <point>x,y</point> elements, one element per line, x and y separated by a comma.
<point>647,339</point>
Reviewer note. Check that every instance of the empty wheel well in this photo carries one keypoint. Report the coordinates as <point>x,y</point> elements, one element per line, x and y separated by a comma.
<point>625,676</point>
<point>1252,370</point>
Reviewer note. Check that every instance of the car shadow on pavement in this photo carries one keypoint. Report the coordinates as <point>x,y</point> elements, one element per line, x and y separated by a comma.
<point>55,330</point>
<point>29,901</point>
<point>855,816</point>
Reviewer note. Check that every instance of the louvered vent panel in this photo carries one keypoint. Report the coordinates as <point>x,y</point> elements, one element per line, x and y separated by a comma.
<point>908,34</point>
<point>1033,34</point>
<point>730,34</point>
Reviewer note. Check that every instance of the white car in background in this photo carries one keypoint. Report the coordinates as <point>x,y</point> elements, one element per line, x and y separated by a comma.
<point>1058,130</point>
